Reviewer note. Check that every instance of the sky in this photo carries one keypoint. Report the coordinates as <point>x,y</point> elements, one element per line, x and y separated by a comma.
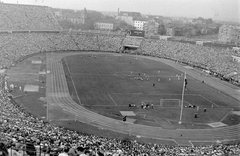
<point>224,10</point>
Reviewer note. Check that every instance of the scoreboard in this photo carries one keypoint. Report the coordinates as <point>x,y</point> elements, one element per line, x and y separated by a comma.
<point>135,33</point>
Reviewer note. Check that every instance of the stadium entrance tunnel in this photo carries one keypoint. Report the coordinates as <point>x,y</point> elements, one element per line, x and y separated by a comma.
<point>130,47</point>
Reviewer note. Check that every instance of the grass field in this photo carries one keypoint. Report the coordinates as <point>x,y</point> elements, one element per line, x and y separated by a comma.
<point>107,83</point>
<point>103,85</point>
<point>25,73</point>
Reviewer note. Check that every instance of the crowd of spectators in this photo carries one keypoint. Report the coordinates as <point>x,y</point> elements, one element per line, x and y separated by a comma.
<point>14,46</point>
<point>110,43</point>
<point>23,134</point>
<point>217,60</point>
<point>26,17</point>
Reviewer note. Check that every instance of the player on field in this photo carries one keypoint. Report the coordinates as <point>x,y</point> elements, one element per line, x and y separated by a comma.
<point>195,116</point>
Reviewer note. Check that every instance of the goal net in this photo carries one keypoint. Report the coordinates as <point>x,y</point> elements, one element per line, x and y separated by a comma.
<point>170,102</point>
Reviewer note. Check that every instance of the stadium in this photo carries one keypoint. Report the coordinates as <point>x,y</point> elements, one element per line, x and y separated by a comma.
<point>96,94</point>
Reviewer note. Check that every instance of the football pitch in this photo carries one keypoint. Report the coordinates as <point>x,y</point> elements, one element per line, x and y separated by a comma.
<point>108,83</point>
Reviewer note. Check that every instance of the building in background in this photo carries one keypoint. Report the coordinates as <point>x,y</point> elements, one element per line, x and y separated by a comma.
<point>128,16</point>
<point>76,17</point>
<point>229,34</point>
<point>167,20</point>
<point>170,30</point>
<point>105,24</point>
<point>237,36</point>
<point>198,21</point>
<point>138,23</point>
<point>132,14</point>
<point>151,27</point>
<point>58,13</point>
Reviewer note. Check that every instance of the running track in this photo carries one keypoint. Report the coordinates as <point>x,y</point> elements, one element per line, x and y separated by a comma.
<point>58,95</point>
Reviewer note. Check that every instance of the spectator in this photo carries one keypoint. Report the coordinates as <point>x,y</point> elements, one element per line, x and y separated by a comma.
<point>17,126</point>
<point>64,152</point>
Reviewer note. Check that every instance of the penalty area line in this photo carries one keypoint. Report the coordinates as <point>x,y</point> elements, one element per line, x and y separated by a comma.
<point>168,121</point>
<point>142,61</point>
<point>112,99</point>
<point>84,60</point>
<point>208,100</point>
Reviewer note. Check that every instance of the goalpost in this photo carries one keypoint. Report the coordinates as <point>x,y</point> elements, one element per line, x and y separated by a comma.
<point>170,102</point>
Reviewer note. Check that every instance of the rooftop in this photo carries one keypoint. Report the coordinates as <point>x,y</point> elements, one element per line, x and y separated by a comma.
<point>19,5</point>
<point>133,14</point>
<point>140,19</point>
<point>106,20</point>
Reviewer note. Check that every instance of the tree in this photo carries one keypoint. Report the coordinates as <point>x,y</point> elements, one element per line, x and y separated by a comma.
<point>161,29</point>
<point>209,21</point>
<point>66,24</point>
<point>200,18</point>
<point>216,30</point>
<point>121,25</point>
<point>91,18</point>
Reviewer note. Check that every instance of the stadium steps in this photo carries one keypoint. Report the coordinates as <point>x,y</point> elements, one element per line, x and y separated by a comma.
<point>75,42</point>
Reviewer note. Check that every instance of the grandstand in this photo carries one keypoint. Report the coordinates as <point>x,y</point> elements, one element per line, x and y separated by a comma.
<point>26,17</point>
<point>28,30</point>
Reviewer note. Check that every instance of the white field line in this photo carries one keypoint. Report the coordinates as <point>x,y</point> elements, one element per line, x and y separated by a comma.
<point>23,73</point>
<point>142,61</point>
<point>145,110</point>
<point>73,83</point>
<point>144,116</point>
<point>191,143</point>
<point>201,141</point>
<point>84,60</point>
<point>112,99</point>
<point>104,105</point>
<point>92,74</point>
<point>224,117</point>
<point>168,121</point>
<point>209,101</point>
<point>155,94</point>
